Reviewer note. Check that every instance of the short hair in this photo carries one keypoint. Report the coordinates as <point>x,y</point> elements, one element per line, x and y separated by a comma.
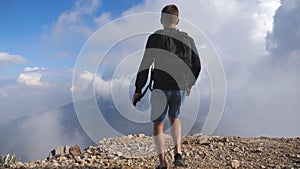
<point>169,14</point>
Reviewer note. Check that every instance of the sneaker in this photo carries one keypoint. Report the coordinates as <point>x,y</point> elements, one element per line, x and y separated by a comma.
<point>159,167</point>
<point>178,160</point>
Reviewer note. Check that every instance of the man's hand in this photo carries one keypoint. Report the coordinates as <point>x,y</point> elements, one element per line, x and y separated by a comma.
<point>188,91</point>
<point>136,98</point>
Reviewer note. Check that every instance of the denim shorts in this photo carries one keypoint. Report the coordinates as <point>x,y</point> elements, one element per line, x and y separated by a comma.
<point>163,101</point>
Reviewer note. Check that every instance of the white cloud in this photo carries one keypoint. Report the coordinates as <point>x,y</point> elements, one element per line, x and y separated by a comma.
<point>74,22</point>
<point>265,102</point>
<point>103,19</point>
<point>33,69</point>
<point>31,76</point>
<point>264,17</point>
<point>45,131</point>
<point>66,36</point>
<point>85,80</point>
<point>11,59</point>
<point>102,87</point>
<point>30,79</point>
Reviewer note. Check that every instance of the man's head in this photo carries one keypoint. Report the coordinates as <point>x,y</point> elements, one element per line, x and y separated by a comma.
<point>169,16</point>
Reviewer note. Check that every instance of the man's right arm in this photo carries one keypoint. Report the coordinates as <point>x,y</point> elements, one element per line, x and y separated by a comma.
<point>196,65</point>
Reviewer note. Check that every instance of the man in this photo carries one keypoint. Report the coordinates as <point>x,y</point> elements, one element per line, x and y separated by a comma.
<point>176,68</point>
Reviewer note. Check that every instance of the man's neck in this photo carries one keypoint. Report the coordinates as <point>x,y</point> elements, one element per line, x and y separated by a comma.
<point>170,26</point>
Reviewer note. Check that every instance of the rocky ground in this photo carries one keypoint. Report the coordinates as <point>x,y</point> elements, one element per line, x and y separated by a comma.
<point>138,151</point>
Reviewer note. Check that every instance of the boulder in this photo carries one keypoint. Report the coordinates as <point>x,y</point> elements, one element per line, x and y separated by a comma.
<point>75,151</point>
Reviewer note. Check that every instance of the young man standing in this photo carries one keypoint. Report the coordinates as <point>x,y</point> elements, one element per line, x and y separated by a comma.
<point>176,68</point>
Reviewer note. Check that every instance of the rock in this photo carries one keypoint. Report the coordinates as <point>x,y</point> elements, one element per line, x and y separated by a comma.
<point>224,139</point>
<point>119,153</point>
<point>235,163</point>
<point>9,159</point>
<point>79,160</point>
<point>204,141</point>
<point>60,150</point>
<point>141,135</point>
<point>185,142</point>
<point>75,151</point>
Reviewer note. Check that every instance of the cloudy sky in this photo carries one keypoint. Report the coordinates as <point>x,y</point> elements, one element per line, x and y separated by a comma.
<point>258,42</point>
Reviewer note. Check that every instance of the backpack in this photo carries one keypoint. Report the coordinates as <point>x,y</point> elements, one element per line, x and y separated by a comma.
<point>179,44</point>
<point>172,35</point>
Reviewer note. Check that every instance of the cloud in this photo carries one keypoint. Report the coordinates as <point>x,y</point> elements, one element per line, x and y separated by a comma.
<point>66,36</point>
<point>31,76</point>
<point>265,102</point>
<point>73,22</point>
<point>285,38</point>
<point>88,80</point>
<point>103,19</point>
<point>34,98</point>
<point>30,79</point>
<point>33,69</point>
<point>33,137</point>
<point>10,59</point>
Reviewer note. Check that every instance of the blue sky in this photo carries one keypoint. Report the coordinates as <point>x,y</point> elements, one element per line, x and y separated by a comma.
<point>41,40</point>
<point>24,26</point>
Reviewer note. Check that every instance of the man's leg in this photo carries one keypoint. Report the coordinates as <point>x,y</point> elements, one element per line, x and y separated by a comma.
<point>158,131</point>
<point>176,134</point>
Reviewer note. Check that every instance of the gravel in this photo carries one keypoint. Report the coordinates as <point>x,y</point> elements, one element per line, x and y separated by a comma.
<point>138,151</point>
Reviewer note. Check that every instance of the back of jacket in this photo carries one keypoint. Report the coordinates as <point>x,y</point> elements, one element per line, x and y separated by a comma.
<point>176,61</point>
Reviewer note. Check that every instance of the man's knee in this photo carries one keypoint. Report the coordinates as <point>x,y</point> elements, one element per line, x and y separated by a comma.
<point>158,128</point>
<point>172,119</point>
<point>158,124</point>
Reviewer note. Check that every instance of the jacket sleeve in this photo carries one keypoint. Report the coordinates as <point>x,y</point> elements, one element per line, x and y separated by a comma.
<point>196,65</point>
<point>143,71</point>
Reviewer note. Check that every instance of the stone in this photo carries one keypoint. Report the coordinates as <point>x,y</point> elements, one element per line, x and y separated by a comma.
<point>235,163</point>
<point>141,135</point>
<point>75,151</point>
<point>119,153</point>
<point>60,150</point>
<point>9,159</point>
<point>185,142</point>
<point>204,141</point>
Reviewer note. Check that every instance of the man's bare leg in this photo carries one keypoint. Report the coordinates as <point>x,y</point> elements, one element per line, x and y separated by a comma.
<point>158,131</point>
<point>176,134</point>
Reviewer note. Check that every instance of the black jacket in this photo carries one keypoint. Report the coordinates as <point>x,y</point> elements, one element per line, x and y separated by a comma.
<point>176,61</point>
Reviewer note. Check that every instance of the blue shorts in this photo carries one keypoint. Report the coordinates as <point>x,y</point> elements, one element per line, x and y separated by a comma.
<point>163,101</point>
